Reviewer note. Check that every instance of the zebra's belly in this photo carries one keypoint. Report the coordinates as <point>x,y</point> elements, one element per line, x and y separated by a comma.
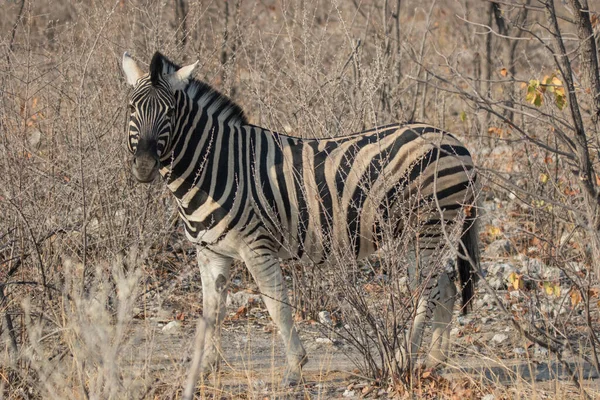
<point>319,249</point>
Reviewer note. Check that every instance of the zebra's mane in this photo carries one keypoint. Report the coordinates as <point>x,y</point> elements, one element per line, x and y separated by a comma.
<point>161,65</point>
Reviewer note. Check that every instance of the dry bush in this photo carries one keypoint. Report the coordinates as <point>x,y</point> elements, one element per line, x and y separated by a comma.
<point>71,212</point>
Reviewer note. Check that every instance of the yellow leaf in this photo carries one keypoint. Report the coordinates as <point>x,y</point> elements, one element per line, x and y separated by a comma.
<point>575,297</point>
<point>515,280</point>
<point>543,178</point>
<point>493,231</point>
<point>552,289</point>
<point>463,116</point>
<point>546,80</point>
<point>503,72</point>
<point>556,81</point>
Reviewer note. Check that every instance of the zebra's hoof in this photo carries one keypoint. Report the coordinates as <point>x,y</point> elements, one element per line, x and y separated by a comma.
<point>209,367</point>
<point>434,364</point>
<point>292,378</point>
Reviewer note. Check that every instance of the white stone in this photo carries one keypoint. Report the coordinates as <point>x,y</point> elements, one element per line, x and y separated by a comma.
<point>324,340</point>
<point>242,299</point>
<point>499,337</point>
<point>171,327</point>
<point>500,248</point>
<point>540,351</point>
<point>349,393</point>
<point>259,384</point>
<point>325,318</point>
<point>35,136</point>
<point>519,351</point>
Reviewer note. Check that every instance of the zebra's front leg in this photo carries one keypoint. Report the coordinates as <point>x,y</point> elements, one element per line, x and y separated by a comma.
<point>267,273</point>
<point>214,272</point>
<point>444,301</point>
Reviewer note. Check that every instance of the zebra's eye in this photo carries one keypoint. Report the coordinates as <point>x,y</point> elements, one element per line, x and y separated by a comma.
<point>169,113</point>
<point>131,109</point>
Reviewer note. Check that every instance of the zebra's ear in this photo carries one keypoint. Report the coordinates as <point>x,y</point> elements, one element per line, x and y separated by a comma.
<point>131,69</point>
<point>180,78</point>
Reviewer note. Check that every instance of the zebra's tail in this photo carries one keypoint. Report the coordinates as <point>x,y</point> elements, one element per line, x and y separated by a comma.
<point>469,262</point>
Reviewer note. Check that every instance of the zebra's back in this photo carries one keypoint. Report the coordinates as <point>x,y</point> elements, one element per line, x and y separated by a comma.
<point>325,195</point>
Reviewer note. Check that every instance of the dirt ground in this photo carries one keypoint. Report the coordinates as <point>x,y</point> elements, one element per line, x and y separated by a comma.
<point>253,360</point>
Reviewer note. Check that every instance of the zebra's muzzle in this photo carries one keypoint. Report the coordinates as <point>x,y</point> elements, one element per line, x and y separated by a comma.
<point>145,161</point>
<point>144,168</point>
<point>145,165</point>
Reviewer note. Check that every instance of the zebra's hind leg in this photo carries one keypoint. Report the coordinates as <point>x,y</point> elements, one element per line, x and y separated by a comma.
<point>268,276</point>
<point>443,299</point>
<point>214,272</point>
<point>414,336</point>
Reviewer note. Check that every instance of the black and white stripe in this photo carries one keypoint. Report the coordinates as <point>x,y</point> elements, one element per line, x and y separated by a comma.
<point>245,192</point>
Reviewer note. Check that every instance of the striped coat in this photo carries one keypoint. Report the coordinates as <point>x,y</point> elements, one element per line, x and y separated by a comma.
<point>245,192</point>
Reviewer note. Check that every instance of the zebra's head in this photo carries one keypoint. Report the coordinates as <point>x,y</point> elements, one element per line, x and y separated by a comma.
<point>152,110</point>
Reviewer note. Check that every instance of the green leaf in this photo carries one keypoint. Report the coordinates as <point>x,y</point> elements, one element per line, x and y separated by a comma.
<point>560,101</point>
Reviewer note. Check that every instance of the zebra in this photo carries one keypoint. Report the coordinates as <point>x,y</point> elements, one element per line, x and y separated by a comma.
<point>247,193</point>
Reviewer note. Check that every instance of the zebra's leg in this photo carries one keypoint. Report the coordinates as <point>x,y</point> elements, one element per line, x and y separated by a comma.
<point>424,311</point>
<point>214,272</point>
<point>423,314</point>
<point>443,299</point>
<point>268,276</point>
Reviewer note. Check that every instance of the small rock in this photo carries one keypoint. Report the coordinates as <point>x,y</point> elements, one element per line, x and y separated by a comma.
<point>349,393</point>
<point>324,340</point>
<point>534,266</point>
<point>500,150</point>
<point>242,299</point>
<point>499,338</point>
<point>479,303</point>
<point>489,397</point>
<point>553,309</point>
<point>454,331</point>
<point>497,283</point>
<point>236,282</point>
<point>500,248</point>
<point>519,351</point>
<point>498,273</point>
<point>35,136</point>
<point>259,384</point>
<point>540,351</point>
<point>577,266</point>
<point>325,318</point>
<point>488,299</point>
<point>171,327</point>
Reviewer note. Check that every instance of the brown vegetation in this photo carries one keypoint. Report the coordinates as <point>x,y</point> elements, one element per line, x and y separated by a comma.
<point>88,257</point>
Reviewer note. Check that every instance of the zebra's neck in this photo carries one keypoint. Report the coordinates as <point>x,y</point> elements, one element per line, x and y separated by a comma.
<point>205,145</point>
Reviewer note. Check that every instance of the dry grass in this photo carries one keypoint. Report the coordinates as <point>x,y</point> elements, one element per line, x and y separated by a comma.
<point>91,262</point>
